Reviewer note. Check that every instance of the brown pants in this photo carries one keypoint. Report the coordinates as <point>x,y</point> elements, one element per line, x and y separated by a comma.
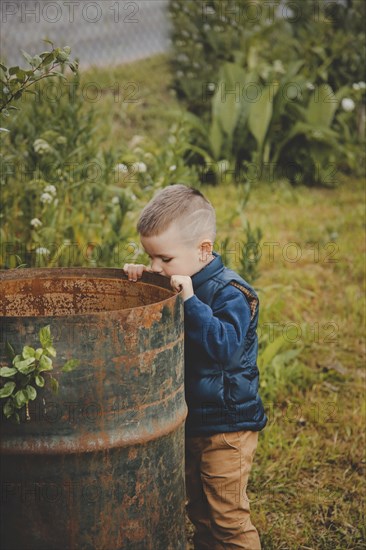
<point>217,471</point>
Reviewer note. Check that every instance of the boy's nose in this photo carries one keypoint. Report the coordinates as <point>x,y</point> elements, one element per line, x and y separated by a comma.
<point>156,267</point>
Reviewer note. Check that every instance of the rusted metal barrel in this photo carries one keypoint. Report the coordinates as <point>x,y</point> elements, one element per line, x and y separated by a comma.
<point>100,465</point>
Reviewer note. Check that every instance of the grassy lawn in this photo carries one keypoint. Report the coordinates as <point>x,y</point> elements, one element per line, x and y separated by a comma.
<point>132,99</point>
<point>308,484</point>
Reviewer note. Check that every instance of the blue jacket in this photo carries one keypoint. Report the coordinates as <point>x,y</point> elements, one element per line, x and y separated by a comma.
<point>221,374</point>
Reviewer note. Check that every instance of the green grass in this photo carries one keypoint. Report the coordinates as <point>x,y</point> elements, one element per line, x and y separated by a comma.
<point>308,482</point>
<point>133,99</point>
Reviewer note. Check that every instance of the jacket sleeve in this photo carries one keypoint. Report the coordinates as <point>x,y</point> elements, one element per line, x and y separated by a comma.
<point>220,330</point>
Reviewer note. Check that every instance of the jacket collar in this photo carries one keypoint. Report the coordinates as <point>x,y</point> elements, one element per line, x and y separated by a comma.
<point>208,272</point>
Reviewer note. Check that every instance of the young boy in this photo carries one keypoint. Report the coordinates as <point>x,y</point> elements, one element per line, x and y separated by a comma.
<point>177,230</point>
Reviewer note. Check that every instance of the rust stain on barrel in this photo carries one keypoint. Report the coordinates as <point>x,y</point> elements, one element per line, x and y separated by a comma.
<point>117,424</point>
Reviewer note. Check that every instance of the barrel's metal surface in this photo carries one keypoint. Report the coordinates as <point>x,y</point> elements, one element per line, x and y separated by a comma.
<point>100,465</point>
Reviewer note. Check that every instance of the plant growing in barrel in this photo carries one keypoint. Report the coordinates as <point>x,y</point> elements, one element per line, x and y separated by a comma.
<point>29,371</point>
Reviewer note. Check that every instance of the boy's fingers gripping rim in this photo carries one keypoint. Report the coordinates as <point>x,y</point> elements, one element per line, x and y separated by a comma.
<point>133,271</point>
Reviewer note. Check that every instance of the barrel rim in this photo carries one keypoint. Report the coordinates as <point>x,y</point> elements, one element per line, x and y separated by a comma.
<point>80,272</point>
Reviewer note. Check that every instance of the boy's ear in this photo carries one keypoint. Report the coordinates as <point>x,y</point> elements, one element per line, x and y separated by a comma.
<point>206,248</point>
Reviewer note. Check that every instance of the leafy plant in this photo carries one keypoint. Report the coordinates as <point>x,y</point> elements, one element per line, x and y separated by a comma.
<point>51,166</point>
<point>248,258</point>
<point>17,81</point>
<point>28,371</point>
<point>257,94</point>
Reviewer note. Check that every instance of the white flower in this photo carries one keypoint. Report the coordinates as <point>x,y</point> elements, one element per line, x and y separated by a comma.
<point>36,222</point>
<point>121,168</point>
<point>42,251</point>
<point>223,166</point>
<point>46,198</point>
<point>356,86</point>
<point>172,168</point>
<point>135,141</point>
<point>348,104</point>
<point>362,85</point>
<point>41,146</point>
<point>139,167</point>
<point>115,200</point>
<point>210,10</point>
<point>50,189</point>
<point>211,86</point>
<point>310,86</point>
<point>278,66</point>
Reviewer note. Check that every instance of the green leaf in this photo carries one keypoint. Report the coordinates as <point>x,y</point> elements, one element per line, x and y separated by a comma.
<point>7,389</point>
<point>45,364</point>
<point>21,75</point>
<point>8,408</point>
<point>28,57</point>
<point>3,67</point>
<point>39,380</point>
<point>270,351</point>
<point>37,60</point>
<point>47,60</point>
<point>20,398</point>
<point>26,366</point>
<point>45,336</point>
<point>215,139</point>
<point>28,352</point>
<point>70,365</point>
<point>54,385</point>
<point>260,115</point>
<point>9,349</point>
<point>51,351</point>
<point>14,70</point>
<point>5,372</point>
<point>39,352</point>
<point>62,56</point>
<point>48,41</point>
<point>32,392</point>
<point>73,67</point>
<point>322,106</point>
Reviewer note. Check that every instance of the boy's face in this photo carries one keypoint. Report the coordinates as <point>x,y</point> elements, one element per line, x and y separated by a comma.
<point>170,255</point>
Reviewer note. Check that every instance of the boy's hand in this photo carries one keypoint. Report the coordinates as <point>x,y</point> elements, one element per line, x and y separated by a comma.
<point>135,271</point>
<point>184,283</point>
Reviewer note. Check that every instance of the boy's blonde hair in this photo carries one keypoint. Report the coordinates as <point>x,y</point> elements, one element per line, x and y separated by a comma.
<point>183,205</point>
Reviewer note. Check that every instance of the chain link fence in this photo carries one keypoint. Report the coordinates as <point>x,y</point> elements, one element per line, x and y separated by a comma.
<point>102,32</point>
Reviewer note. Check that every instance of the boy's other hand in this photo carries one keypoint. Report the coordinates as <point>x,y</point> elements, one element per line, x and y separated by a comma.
<point>135,271</point>
<point>184,283</point>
